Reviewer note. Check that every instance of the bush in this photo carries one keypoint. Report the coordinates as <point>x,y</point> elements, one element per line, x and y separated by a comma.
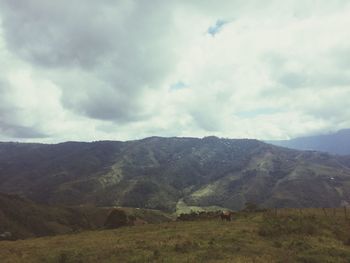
<point>188,217</point>
<point>116,218</point>
<point>251,207</point>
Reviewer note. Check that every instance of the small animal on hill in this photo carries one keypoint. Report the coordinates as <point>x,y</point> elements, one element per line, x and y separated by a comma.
<point>226,215</point>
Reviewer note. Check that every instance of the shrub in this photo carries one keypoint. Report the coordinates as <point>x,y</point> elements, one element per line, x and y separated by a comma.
<point>250,207</point>
<point>116,218</point>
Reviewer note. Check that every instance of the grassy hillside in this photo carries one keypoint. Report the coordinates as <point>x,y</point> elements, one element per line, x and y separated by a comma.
<point>24,218</point>
<point>307,235</point>
<point>158,173</point>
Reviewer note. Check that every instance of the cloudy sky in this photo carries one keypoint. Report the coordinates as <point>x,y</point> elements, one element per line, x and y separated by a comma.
<point>94,70</point>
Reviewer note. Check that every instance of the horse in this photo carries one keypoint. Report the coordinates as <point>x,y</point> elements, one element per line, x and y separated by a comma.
<point>226,215</point>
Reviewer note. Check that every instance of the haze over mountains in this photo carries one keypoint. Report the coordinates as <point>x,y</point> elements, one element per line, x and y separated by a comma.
<point>162,173</point>
<point>335,143</point>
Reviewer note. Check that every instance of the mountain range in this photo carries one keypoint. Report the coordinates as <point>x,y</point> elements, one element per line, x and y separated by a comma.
<point>166,173</point>
<point>334,143</point>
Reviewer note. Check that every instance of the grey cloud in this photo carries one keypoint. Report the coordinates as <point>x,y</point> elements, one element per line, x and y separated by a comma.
<point>50,34</point>
<point>341,57</point>
<point>314,79</point>
<point>10,124</point>
<point>309,77</point>
<point>116,44</point>
<point>104,103</point>
<point>284,77</point>
<point>113,60</point>
<point>293,80</point>
<point>206,119</point>
<point>18,131</point>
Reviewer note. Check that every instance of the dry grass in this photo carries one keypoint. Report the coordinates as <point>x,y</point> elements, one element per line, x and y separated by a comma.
<point>198,241</point>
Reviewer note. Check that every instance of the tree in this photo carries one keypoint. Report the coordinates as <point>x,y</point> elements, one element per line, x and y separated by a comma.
<point>250,207</point>
<point>116,218</point>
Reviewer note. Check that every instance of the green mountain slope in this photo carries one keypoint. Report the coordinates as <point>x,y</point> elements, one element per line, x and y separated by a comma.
<point>24,218</point>
<point>159,172</point>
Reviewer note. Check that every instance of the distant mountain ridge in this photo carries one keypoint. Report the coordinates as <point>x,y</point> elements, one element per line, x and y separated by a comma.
<point>335,143</point>
<point>159,173</point>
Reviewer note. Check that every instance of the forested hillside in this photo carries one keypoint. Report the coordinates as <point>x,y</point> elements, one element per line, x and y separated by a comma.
<point>160,172</point>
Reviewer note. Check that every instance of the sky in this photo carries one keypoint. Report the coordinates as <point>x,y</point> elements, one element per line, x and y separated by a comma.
<point>89,70</point>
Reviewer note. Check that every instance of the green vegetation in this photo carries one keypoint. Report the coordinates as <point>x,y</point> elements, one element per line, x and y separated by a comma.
<point>156,173</point>
<point>287,235</point>
<point>24,218</point>
<point>182,208</point>
<point>118,218</point>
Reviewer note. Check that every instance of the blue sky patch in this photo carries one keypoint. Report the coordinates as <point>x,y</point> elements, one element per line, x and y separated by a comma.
<point>178,85</point>
<point>217,27</point>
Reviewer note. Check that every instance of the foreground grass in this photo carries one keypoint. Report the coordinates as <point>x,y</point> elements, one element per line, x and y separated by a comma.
<point>253,237</point>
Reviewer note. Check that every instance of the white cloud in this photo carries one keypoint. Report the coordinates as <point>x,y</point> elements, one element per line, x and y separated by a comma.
<point>104,70</point>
